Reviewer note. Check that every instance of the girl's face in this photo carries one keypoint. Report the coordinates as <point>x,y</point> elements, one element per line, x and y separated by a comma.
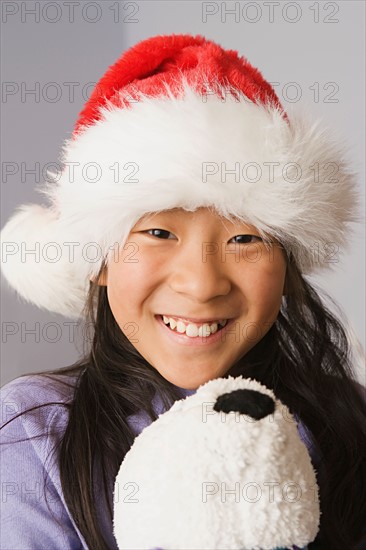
<point>199,267</point>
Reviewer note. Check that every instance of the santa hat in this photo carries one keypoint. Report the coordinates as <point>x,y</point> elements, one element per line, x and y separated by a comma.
<point>178,121</point>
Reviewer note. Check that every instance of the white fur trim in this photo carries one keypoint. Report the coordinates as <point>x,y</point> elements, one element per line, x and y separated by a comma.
<point>38,265</point>
<point>167,140</point>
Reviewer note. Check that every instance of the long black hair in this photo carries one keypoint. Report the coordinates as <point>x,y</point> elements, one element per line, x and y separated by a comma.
<point>304,358</point>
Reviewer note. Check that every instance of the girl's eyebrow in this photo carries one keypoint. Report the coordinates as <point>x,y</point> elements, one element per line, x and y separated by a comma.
<point>236,223</point>
<point>229,225</point>
<point>151,215</point>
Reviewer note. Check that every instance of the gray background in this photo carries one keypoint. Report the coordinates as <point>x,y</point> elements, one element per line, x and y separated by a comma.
<point>311,52</point>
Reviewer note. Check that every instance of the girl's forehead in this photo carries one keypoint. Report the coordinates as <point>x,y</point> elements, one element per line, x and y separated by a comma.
<point>182,215</point>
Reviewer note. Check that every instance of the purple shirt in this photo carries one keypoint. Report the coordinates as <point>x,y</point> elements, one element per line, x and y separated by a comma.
<point>26,522</point>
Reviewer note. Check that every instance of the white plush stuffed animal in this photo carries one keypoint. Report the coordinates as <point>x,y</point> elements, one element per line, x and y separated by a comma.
<point>224,468</point>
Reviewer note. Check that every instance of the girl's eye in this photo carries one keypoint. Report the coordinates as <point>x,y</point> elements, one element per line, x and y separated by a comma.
<point>161,232</point>
<point>246,238</point>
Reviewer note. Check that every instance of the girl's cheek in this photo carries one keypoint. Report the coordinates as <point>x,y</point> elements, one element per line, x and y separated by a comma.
<point>135,253</point>
<point>266,273</point>
<point>262,292</point>
<point>129,281</point>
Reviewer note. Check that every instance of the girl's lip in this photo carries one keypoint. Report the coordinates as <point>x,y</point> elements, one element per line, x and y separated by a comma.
<point>195,320</point>
<point>180,338</point>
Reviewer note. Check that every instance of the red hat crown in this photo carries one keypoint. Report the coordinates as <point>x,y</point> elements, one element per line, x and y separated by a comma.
<point>163,60</point>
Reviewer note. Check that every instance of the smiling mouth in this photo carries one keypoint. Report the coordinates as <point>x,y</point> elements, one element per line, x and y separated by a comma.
<point>191,329</point>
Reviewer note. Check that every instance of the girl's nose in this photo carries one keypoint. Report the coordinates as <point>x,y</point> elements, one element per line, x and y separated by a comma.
<point>199,277</point>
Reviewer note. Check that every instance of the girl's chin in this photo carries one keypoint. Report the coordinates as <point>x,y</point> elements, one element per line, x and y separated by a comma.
<point>179,377</point>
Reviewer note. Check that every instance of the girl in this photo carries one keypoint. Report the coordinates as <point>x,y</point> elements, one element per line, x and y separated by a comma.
<point>184,222</point>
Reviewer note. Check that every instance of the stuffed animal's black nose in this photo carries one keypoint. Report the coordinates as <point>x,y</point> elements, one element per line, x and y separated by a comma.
<point>250,402</point>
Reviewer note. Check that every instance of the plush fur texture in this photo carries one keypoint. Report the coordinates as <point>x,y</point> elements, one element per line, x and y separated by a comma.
<point>291,179</point>
<point>174,489</point>
<point>38,264</point>
<point>157,62</point>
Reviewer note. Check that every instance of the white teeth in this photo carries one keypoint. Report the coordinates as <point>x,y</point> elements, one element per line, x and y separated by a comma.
<point>191,329</point>
<point>173,323</point>
<point>204,330</point>
<point>181,327</point>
